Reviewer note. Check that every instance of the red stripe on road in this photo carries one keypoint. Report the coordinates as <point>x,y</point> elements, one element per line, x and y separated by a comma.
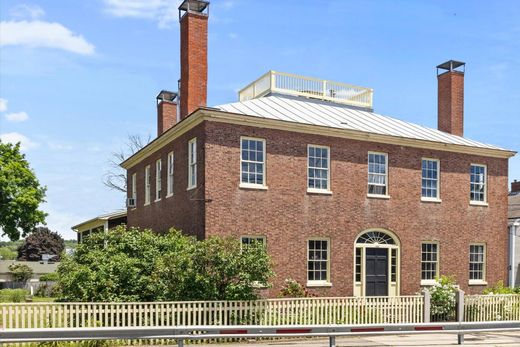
<point>292,331</point>
<point>223,332</point>
<point>428,328</point>
<point>362,330</point>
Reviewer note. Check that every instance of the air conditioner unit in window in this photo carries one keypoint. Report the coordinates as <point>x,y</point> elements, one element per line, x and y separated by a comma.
<point>130,202</point>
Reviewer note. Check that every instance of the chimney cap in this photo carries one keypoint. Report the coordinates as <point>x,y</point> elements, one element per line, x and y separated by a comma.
<point>198,6</point>
<point>452,65</point>
<point>166,95</point>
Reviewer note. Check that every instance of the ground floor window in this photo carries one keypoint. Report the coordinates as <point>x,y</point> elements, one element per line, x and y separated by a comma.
<point>247,240</point>
<point>429,261</point>
<point>318,261</point>
<point>477,262</point>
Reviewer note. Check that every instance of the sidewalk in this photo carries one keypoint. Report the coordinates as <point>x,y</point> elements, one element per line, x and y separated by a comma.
<point>501,339</point>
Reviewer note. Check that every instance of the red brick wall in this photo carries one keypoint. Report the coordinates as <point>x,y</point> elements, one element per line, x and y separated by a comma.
<point>450,102</point>
<point>185,209</point>
<point>166,116</point>
<point>515,186</point>
<point>194,62</point>
<point>288,216</point>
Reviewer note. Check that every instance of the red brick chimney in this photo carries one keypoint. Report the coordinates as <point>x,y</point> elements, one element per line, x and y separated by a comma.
<point>166,111</point>
<point>193,18</point>
<point>515,186</point>
<point>450,99</point>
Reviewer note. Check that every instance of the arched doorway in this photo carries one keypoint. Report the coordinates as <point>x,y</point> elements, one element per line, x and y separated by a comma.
<point>376,263</point>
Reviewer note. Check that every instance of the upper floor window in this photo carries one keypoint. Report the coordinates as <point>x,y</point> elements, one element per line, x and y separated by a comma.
<point>430,179</point>
<point>192,163</point>
<point>318,164</point>
<point>169,182</point>
<point>478,183</point>
<point>158,172</point>
<point>147,179</point>
<point>134,187</point>
<point>477,262</point>
<point>318,261</point>
<point>252,162</point>
<point>429,261</point>
<point>377,173</point>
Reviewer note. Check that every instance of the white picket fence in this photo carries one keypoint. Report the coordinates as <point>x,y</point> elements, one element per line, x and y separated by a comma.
<point>347,310</point>
<point>480,308</point>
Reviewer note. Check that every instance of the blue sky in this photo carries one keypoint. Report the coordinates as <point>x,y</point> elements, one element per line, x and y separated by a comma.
<point>77,77</point>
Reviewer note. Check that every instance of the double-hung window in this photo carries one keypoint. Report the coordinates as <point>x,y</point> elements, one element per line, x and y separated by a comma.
<point>478,184</point>
<point>318,261</point>
<point>477,263</point>
<point>430,179</point>
<point>318,168</point>
<point>377,174</point>
<point>147,179</point>
<point>134,188</point>
<point>169,181</point>
<point>192,163</point>
<point>429,262</point>
<point>252,162</point>
<point>248,240</point>
<point>158,172</point>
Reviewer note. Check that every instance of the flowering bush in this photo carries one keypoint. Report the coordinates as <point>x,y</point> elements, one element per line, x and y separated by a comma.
<point>443,297</point>
<point>294,289</point>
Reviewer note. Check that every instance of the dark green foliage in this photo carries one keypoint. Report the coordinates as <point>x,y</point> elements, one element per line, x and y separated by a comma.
<point>12,295</point>
<point>20,272</point>
<point>20,194</point>
<point>41,241</point>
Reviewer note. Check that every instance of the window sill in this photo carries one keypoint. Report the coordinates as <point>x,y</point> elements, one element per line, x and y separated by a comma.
<point>190,188</point>
<point>478,203</point>
<point>146,204</point>
<point>317,284</point>
<point>427,282</point>
<point>477,283</point>
<point>377,196</point>
<point>252,186</point>
<point>435,200</point>
<point>319,191</point>
<point>169,195</point>
<point>157,200</point>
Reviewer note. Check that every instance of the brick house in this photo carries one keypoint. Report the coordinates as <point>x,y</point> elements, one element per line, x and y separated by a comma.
<point>514,234</point>
<point>347,201</point>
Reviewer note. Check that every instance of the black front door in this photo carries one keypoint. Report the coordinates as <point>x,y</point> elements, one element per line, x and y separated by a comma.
<point>376,272</point>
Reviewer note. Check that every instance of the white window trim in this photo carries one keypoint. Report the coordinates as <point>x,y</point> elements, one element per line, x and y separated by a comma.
<point>483,281</point>
<point>134,188</point>
<point>147,185</point>
<point>380,196</point>
<point>327,191</point>
<point>158,179</point>
<point>321,283</point>
<point>438,197</point>
<point>437,272</point>
<point>190,164</point>
<point>262,186</point>
<point>263,237</point>
<point>475,202</point>
<point>169,180</point>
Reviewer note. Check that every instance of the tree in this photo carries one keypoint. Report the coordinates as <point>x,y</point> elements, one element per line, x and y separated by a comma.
<point>20,272</point>
<point>20,194</point>
<point>41,241</point>
<point>115,177</point>
<point>140,265</point>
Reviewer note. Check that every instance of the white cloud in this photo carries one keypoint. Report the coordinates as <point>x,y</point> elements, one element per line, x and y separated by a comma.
<point>25,142</point>
<point>164,12</point>
<point>23,11</point>
<point>43,34</point>
<point>17,117</point>
<point>3,105</point>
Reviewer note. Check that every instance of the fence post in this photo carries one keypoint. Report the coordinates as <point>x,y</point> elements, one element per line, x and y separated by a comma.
<point>180,342</point>
<point>332,341</point>
<point>460,313</point>
<point>427,306</point>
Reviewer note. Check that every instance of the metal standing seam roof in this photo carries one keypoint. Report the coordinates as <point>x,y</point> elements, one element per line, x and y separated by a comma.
<point>313,112</point>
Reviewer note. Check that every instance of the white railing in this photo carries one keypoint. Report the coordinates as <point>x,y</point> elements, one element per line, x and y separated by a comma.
<point>479,308</point>
<point>284,83</point>
<point>348,310</point>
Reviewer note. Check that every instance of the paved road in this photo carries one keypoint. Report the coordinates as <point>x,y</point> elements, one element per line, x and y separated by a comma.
<point>504,339</point>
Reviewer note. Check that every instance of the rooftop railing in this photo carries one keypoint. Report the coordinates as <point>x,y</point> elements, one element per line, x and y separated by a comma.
<point>284,83</point>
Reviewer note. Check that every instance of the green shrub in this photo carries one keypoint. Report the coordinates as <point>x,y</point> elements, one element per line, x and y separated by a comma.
<point>499,288</point>
<point>294,289</point>
<point>49,277</point>
<point>12,295</point>
<point>20,272</point>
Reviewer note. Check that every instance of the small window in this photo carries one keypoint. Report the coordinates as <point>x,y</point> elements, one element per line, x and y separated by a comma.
<point>430,179</point>
<point>477,262</point>
<point>393,265</point>
<point>169,182</point>
<point>134,187</point>
<point>429,261</point>
<point>252,162</point>
<point>318,261</point>
<point>147,179</point>
<point>478,183</point>
<point>377,173</point>
<point>358,264</point>
<point>158,172</point>
<point>318,164</point>
<point>192,163</point>
<point>248,240</point>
